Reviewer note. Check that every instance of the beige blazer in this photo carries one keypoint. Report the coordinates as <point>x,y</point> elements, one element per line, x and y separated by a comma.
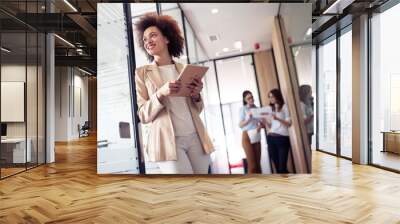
<point>161,140</point>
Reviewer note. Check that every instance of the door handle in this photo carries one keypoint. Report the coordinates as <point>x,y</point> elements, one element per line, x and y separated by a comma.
<point>102,146</point>
<point>102,143</point>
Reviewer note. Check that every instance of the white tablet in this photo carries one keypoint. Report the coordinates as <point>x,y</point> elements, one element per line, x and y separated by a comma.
<point>261,112</point>
<point>190,72</point>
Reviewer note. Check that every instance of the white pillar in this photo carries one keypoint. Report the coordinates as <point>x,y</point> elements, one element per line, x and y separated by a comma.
<point>50,99</point>
<point>360,90</point>
<point>50,92</point>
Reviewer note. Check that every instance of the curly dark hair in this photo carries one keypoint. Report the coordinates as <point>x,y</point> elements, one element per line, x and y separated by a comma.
<point>168,27</point>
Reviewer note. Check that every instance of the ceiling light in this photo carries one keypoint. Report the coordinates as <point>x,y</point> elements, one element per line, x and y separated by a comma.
<point>70,5</point>
<point>217,54</point>
<point>86,72</point>
<point>238,44</point>
<point>214,11</point>
<point>5,50</point>
<point>79,50</point>
<point>64,40</point>
<point>225,49</point>
<point>43,7</point>
<point>309,31</point>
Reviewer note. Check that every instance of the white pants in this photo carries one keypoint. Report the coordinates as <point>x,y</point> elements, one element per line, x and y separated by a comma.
<point>191,157</point>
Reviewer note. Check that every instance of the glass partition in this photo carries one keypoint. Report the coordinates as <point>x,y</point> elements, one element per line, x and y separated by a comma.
<point>202,55</point>
<point>116,150</point>
<point>302,55</point>
<point>168,6</point>
<point>32,98</point>
<point>327,96</point>
<point>385,89</point>
<point>191,43</point>
<point>41,111</point>
<point>314,95</point>
<point>139,9</point>
<point>213,121</point>
<point>346,93</point>
<point>235,75</point>
<point>14,150</point>
<point>32,73</point>
<point>22,92</point>
<point>140,60</point>
<point>176,14</point>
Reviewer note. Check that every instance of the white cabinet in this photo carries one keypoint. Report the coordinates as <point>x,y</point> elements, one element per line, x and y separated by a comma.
<point>19,154</point>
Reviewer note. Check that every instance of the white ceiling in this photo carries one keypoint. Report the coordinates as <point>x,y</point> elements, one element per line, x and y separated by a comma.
<point>247,22</point>
<point>297,19</point>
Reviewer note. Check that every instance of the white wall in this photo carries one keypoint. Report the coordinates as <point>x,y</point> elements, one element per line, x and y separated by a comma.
<point>71,87</point>
<point>15,73</point>
<point>79,117</point>
<point>33,125</point>
<point>12,100</point>
<point>61,103</point>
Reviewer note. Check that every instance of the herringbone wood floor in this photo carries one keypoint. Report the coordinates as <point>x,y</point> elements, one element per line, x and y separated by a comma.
<point>70,191</point>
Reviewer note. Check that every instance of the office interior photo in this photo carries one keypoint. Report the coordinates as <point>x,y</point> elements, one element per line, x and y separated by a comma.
<point>39,108</point>
<point>58,134</point>
<point>239,57</point>
<point>356,90</point>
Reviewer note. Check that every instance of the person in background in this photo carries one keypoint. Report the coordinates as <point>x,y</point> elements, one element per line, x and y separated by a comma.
<point>251,134</point>
<point>306,99</point>
<point>178,141</point>
<point>278,131</point>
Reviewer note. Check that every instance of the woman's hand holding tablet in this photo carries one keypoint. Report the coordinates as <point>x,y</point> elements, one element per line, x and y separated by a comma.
<point>190,80</point>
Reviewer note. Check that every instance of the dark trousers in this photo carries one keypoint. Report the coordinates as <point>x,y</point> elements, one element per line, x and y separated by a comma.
<point>278,149</point>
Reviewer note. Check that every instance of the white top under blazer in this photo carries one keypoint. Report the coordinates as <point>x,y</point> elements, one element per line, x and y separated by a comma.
<point>276,126</point>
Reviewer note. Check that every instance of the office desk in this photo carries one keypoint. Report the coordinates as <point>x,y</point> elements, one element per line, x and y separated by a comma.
<point>13,150</point>
<point>391,141</point>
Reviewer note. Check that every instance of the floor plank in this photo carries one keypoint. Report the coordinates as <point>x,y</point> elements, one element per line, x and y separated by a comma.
<point>70,191</point>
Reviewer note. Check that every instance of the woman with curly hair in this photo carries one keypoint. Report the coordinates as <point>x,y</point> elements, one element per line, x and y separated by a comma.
<point>178,141</point>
